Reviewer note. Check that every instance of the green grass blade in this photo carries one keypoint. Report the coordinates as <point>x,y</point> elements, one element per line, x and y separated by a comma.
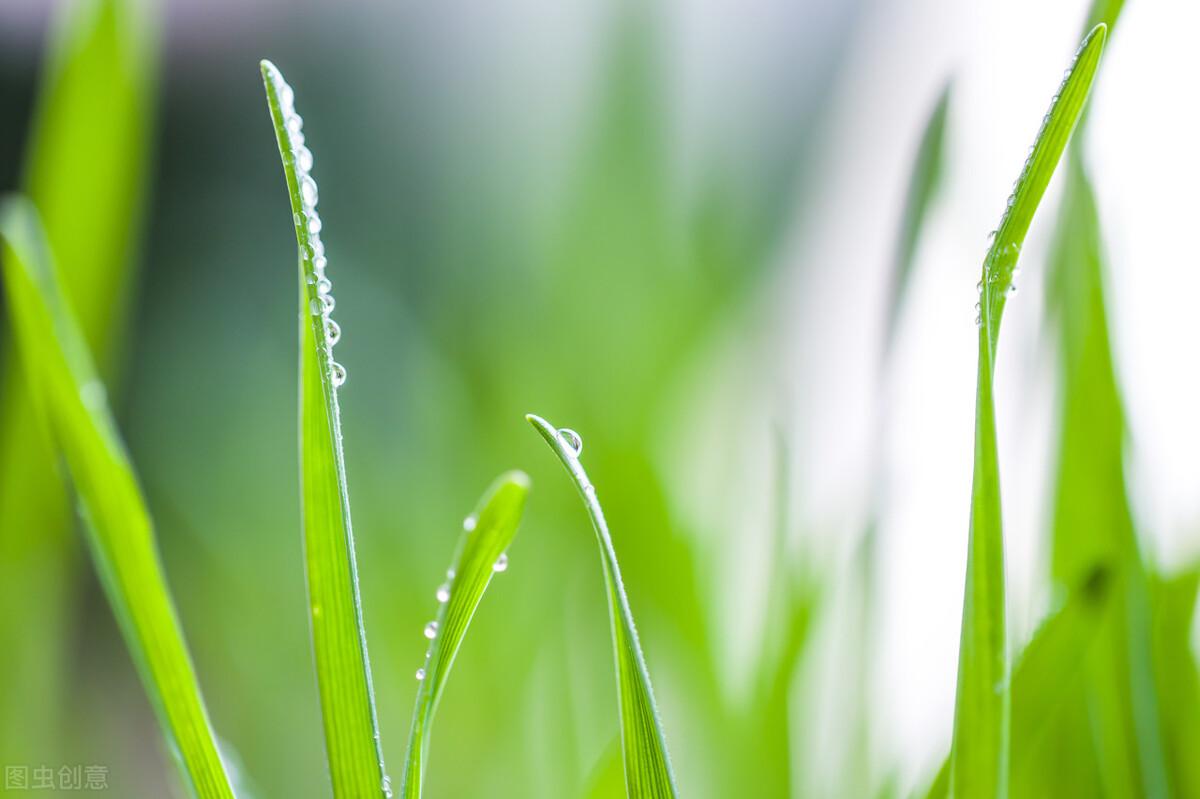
<point>980,751</point>
<point>486,536</point>
<point>1177,677</point>
<point>335,612</point>
<point>72,404</point>
<point>85,170</point>
<point>647,765</point>
<point>1042,681</point>
<point>923,187</point>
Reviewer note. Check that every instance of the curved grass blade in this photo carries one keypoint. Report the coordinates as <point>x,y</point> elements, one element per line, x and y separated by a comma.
<point>486,535</point>
<point>647,765</point>
<point>980,750</point>
<point>85,171</point>
<point>335,612</point>
<point>72,404</point>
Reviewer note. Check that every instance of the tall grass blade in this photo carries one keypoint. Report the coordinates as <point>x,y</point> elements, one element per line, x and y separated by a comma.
<point>647,765</point>
<point>85,171</point>
<point>72,404</point>
<point>980,751</point>
<point>335,612</point>
<point>486,536</point>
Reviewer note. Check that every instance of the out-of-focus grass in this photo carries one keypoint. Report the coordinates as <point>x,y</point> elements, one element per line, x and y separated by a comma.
<point>86,164</point>
<point>72,408</point>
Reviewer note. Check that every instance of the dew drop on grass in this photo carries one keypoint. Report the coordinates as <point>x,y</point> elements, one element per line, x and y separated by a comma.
<point>387,784</point>
<point>431,630</point>
<point>314,224</point>
<point>319,263</point>
<point>324,286</point>
<point>315,307</point>
<point>327,301</point>
<point>449,574</point>
<point>501,563</point>
<point>573,440</point>
<point>304,158</point>
<point>294,123</point>
<point>443,593</point>
<point>420,674</point>
<point>333,332</point>
<point>469,525</point>
<point>308,191</point>
<point>339,374</point>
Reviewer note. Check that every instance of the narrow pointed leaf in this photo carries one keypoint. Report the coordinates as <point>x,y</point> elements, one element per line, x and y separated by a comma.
<point>481,553</point>
<point>73,407</point>
<point>923,185</point>
<point>335,612</point>
<point>647,765</point>
<point>980,751</point>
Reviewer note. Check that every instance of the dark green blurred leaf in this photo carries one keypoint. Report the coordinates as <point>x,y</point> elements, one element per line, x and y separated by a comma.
<point>923,186</point>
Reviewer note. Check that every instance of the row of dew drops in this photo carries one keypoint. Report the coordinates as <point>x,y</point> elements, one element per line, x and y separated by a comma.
<point>1012,248</point>
<point>575,442</point>
<point>323,305</point>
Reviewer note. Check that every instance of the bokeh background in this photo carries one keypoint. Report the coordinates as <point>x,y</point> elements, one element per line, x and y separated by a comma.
<point>670,226</point>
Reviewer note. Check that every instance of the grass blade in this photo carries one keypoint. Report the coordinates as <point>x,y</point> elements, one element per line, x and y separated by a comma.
<point>486,536</point>
<point>647,765</point>
<point>335,611</point>
<point>923,186</point>
<point>85,171</point>
<point>71,400</point>
<point>980,751</point>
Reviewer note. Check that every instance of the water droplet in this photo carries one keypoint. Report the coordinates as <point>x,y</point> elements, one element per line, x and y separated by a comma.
<point>469,523</point>
<point>319,263</point>
<point>420,676</point>
<point>308,191</point>
<point>333,331</point>
<point>387,785</point>
<point>317,247</point>
<point>327,301</point>
<point>572,439</point>
<point>431,630</point>
<point>501,563</point>
<point>314,224</point>
<point>338,373</point>
<point>294,123</point>
<point>315,307</point>
<point>443,593</point>
<point>449,574</point>
<point>287,97</point>
<point>304,158</point>
<point>324,286</point>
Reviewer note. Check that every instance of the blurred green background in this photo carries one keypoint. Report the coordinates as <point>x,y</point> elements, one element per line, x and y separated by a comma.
<point>608,213</point>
